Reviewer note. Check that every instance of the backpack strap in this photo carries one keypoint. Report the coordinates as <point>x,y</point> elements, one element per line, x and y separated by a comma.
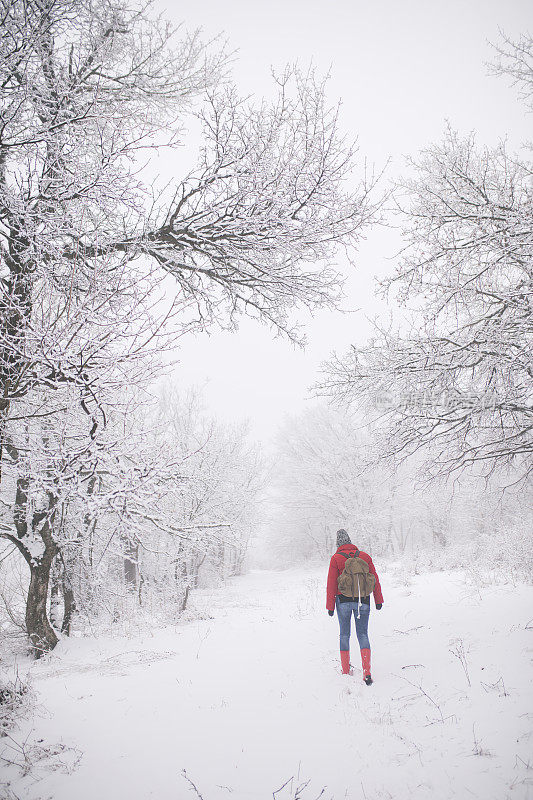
<point>350,555</point>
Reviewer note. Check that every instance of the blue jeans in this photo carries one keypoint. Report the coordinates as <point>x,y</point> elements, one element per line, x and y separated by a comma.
<point>361,613</point>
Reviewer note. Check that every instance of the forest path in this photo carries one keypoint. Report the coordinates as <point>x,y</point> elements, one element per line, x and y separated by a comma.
<point>251,697</point>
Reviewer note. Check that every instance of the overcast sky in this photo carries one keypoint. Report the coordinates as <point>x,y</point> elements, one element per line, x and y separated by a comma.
<point>401,70</point>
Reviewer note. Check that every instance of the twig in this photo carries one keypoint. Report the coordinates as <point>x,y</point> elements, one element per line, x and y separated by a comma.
<point>496,687</point>
<point>277,791</point>
<point>419,687</point>
<point>184,773</point>
<point>409,630</point>
<point>298,792</point>
<point>202,640</point>
<point>458,650</point>
<point>478,750</point>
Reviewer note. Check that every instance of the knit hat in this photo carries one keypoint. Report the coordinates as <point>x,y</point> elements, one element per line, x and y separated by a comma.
<point>342,538</point>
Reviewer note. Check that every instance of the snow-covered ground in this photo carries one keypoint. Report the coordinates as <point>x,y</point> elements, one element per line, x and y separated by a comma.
<point>250,698</point>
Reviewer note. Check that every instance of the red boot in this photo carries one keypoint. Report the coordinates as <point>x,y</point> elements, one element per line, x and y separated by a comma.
<point>345,662</point>
<point>365,660</point>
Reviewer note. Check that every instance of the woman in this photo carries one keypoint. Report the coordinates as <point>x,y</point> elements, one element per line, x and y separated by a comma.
<point>355,581</point>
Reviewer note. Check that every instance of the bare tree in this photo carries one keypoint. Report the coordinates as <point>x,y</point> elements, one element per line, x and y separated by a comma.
<point>89,90</point>
<point>176,491</point>
<point>326,478</point>
<point>459,383</point>
<point>515,60</point>
<point>328,473</point>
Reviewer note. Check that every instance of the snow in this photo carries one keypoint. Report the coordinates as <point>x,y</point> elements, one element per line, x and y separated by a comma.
<point>250,697</point>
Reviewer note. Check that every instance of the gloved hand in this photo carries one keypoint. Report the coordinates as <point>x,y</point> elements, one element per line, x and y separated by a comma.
<point>331,613</point>
<point>378,606</point>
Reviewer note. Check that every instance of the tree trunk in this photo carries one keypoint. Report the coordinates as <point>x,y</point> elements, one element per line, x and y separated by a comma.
<point>89,522</point>
<point>131,561</point>
<point>62,599</point>
<point>184,599</point>
<point>139,593</point>
<point>69,602</point>
<point>56,595</point>
<point>42,635</point>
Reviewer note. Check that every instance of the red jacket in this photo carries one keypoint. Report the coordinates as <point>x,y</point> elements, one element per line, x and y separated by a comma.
<point>336,566</point>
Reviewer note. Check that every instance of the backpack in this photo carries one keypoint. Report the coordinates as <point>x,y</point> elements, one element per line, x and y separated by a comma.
<point>355,580</point>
